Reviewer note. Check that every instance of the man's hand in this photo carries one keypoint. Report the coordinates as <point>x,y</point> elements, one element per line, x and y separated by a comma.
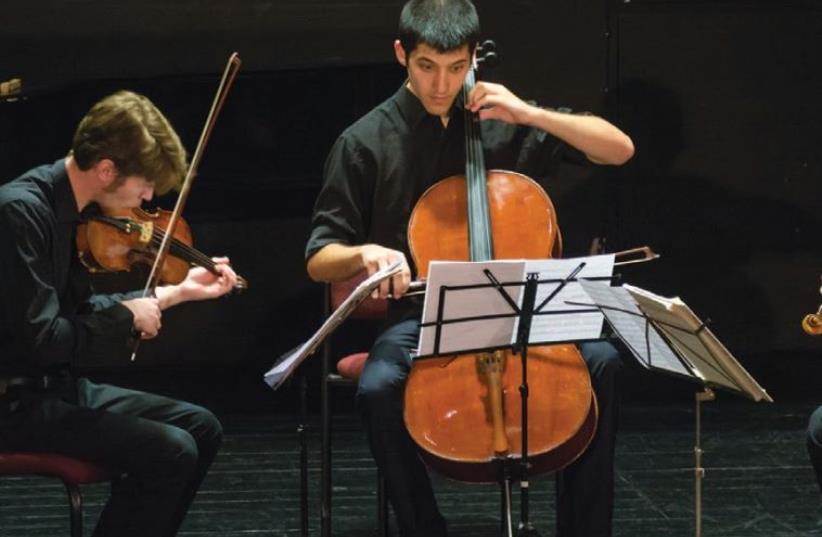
<point>495,101</point>
<point>374,257</point>
<point>147,315</point>
<point>601,141</point>
<point>199,284</point>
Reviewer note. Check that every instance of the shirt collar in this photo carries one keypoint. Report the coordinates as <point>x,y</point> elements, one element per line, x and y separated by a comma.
<point>412,109</point>
<point>65,204</point>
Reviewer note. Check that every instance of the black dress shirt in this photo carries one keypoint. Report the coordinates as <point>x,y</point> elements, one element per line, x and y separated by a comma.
<point>381,165</point>
<point>49,317</point>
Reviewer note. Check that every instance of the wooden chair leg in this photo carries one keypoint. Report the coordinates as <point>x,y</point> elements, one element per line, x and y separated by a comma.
<point>75,509</point>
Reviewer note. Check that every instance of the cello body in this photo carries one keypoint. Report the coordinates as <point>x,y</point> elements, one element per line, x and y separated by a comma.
<point>464,414</point>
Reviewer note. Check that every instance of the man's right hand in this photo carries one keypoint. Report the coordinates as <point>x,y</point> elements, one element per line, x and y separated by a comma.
<point>147,315</point>
<point>374,257</point>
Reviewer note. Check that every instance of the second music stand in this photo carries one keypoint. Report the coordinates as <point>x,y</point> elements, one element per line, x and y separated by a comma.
<point>664,335</point>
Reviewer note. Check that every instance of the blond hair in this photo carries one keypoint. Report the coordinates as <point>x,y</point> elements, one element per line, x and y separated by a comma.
<point>130,131</point>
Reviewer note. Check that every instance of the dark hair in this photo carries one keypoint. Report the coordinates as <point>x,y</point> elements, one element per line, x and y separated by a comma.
<point>443,25</point>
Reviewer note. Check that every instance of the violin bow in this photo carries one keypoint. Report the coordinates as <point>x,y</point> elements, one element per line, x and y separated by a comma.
<point>229,74</point>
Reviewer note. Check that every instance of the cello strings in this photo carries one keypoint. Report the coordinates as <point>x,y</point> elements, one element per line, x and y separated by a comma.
<point>479,222</point>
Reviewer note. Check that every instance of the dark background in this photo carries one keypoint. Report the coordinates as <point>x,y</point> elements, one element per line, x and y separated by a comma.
<point>722,100</point>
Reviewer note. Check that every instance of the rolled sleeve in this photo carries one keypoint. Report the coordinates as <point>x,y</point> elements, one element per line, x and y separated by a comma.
<point>340,213</point>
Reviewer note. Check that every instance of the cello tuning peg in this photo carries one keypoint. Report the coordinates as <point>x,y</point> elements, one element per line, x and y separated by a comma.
<point>489,59</point>
<point>487,46</point>
<point>486,54</point>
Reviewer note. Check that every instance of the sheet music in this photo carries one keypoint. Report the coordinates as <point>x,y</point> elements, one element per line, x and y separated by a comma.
<point>288,362</point>
<point>470,303</point>
<point>462,305</point>
<point>629,323</point>
<point>577,326</point>
<point>689,337</point>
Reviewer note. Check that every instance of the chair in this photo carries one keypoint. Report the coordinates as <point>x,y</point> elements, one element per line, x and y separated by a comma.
<point>71,472</point>
<point>348,370</point>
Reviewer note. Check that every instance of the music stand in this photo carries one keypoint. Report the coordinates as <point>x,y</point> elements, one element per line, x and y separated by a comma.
<point>452,325</point>
<point>665,335</point>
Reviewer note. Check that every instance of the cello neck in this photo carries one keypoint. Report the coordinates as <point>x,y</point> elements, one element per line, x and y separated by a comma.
<point>481,246</point>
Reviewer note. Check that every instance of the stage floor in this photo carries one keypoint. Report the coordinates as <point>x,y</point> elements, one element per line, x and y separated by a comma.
<point>758,481</point>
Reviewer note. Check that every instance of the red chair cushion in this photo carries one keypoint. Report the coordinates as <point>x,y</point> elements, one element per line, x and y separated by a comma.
<point>351,366</point>
<point>370,308</point>
<point>48,464</point>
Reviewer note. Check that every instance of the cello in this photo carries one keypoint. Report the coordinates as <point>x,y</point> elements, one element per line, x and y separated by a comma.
<point>464,411</point>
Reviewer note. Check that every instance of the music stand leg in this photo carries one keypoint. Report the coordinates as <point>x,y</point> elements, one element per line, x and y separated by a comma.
<point>301,434</point>
<point>699,472</point>
<point>525,529</point>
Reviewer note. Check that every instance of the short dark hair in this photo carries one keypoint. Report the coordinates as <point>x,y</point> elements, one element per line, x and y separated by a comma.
<point>443,25</point>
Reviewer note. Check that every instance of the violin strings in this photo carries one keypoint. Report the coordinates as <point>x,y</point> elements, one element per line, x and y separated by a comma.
<point>186,252</point>
<point>190,254</point>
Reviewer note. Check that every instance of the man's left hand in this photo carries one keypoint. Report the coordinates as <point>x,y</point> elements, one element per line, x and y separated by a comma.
<point>495,101</point>
<point>201,284</point>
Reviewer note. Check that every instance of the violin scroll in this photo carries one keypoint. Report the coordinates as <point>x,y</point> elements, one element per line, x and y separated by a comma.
<point>812,323</point>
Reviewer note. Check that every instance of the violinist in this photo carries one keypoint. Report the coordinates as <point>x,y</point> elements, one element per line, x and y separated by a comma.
<point>815,443</point>
<point>124,150</point>
<point>375,173</point>
<point>814,440</point>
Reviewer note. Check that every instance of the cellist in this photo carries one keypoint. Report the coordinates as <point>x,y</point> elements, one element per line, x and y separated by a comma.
<point>123,150</point>
<point>374,174</point>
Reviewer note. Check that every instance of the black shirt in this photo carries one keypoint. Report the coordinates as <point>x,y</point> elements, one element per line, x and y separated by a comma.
<point>49,317</point>
<point>381,165</point>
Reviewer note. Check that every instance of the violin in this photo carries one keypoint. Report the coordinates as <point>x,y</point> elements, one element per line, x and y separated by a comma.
<point>118,238</point>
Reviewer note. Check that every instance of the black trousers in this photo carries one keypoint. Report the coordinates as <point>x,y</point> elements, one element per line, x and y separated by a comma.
<point>585,489</point>
<point>162,447</point>
<point>815,443</point>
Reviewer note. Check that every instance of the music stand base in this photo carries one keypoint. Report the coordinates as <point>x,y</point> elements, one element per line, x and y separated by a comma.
<point>524,529</point>
<point>699,472</point>
<point>527,530</point>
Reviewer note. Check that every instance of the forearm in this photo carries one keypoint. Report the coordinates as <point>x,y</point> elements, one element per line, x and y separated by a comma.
<point>335,262</point>
<point>170,295</point>
<point>602,142</point>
